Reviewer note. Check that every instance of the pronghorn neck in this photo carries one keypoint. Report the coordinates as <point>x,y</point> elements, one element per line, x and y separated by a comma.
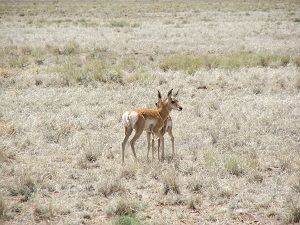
<point>164,110</point>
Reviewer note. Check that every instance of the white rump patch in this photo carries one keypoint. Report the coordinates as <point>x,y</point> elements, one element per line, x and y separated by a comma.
<point>133,118</point>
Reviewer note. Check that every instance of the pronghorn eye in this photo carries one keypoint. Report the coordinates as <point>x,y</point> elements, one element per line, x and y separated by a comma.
<point>172,101</point>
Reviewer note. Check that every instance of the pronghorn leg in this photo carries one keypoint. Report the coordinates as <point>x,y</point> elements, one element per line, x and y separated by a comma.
<point>148,146</point>
<point>128,131</point>
<point>152,146</point>
<point>161,139</point>
<point>158,146</point>
<point>133,140</point>
<point>172,140</point>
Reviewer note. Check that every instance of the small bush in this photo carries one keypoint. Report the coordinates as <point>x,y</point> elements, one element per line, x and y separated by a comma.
<point>6,128</point>
<point>127,220</point>
<point>233,167</point>
<point>297,61</point>
<point>103,72</point>
<point>108,187</point>
<point>237,166</point>
<point>285,60</point>
<point>293,209</point>
<point>26,186</point>
<point>170,184</point>
<point>70,48</point>
<point>6,73</point>
<point>115,23</point>
<point>123,206</point>
<point>45,212</point>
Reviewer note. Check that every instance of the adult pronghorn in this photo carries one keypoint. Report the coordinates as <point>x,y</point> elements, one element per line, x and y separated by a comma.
<point>151,120</point>
<point>166,128</point>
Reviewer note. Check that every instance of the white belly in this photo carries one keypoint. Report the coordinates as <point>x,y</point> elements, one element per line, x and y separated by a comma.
<point>150,123</point>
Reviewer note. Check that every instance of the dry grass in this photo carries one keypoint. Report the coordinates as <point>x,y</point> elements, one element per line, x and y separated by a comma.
<point>68,71</point>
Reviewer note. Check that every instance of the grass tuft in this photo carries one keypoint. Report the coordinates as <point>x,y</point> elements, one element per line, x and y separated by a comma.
<point>127,220</point>
<point>6,128</point>
<point>6,73</point>
<point>123,206</point>
<point>170,182</point>
<point>116,23</point>
<point>108,187</point>
<point>239,166</point>
<point>26,186</point>
<point>3,208</point>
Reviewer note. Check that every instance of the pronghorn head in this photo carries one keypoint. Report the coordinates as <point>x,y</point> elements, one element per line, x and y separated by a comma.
<point>170,100</point>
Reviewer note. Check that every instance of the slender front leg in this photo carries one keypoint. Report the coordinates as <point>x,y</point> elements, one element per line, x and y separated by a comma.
<point>161,139</point>
<point>148,146</point>
<point>152,147</point>
<point>172,140</point>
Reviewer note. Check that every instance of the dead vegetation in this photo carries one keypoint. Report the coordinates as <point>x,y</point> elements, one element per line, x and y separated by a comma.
<point>68,72</point>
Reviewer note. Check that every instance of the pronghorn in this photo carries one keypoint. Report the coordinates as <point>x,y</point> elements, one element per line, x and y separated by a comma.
<point>166,128</point>
<point>151,120</point>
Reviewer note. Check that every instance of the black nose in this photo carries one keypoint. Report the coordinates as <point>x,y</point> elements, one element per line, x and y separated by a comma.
<point>180,108</point>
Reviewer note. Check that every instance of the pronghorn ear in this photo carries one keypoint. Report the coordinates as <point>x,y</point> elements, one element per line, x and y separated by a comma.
<point>176,93</point>
<point>170,92</point>
<point>159,95</point>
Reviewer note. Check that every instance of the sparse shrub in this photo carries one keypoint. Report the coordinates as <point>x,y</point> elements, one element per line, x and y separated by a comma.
<point>170,184</point>
<point>238,166</point>
<point>256,178</point>
<point>233,167</point>
<point>127,220</point>
<point>115,23</point>
<point>108,187</point>
<point>265,60</point>
<point>297,61</point>
<point>6,73</point>
<point>20,61</point>
<point>6,128</point>
<point>91,156</point>
<point>3,208</point>
<point>103,72</point>
<point>129,171</point>
<point>53,49</point>
<point>26,186</point>
<point>194,203</point>
<point>285,60</point>
<point>296,20</point>
<point>45,212</point>
<point>69,73</point>
<point>141,77</point>
<point>293,209</point>
<point>70,48</point>
<point>123,206</point>
<point>296,183</point>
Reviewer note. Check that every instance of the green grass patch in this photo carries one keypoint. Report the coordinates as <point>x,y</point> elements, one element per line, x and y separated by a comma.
<point>118,23</point>
<point>237,166</point>
<point>26,187</point>
<point>127,220</point>
<point>193,63</point>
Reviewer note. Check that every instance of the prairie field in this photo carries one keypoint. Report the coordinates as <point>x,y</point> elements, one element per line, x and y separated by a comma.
<point>69,69</point>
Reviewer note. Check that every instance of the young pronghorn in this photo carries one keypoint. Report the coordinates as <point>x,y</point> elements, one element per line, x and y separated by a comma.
<point>166,128</point>
<point>151,120</point>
